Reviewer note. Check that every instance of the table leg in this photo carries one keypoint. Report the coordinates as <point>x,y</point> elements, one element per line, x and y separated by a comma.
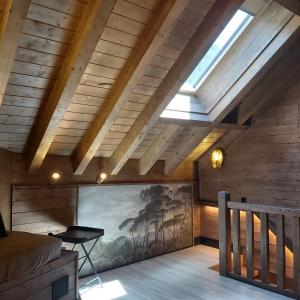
<point>86,255</point>
<point>92,265</point>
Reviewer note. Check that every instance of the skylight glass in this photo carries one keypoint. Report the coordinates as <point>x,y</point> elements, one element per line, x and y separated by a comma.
<point>232,30</point>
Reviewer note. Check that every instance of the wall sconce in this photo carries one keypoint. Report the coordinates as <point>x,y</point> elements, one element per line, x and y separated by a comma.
<point>101,178</point>
<point>217,158</point>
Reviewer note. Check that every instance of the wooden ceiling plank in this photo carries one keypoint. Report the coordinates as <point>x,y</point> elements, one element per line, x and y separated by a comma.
<point>158,147</point>
<point>272,86</point>
<point>269,56</point>
<point>155,32</point>
<point>204,36</point>
<point>11,24</point>
<point>292,5</point>
<point>77,58</point>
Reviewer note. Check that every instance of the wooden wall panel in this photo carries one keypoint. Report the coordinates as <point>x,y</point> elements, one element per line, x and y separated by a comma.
<point>52,207</point>
<point>263,164</point>
<point>43,209</point>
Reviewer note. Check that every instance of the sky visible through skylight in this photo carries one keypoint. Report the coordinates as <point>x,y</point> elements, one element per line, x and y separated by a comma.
<point>232,29</point>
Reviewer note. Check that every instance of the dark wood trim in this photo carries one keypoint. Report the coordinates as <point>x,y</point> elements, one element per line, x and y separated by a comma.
<point>206,203</point>
<point>202,240</point>
<point>197,240</point>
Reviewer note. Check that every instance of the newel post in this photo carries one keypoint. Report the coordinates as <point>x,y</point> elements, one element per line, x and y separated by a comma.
<point>224,233</point>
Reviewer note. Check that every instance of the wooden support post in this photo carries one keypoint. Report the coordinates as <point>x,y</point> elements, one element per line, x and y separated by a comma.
<point>250,244</point>
<point>264,247</point>
<point>280,251</point>
<point>224,233</point>
<point>236,241</point>
<point>296,253</point>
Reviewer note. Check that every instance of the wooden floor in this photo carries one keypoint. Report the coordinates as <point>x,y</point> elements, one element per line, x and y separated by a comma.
<point>183,274</point>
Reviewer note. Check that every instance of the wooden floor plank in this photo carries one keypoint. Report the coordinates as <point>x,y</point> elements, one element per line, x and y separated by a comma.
<point>184,274</point>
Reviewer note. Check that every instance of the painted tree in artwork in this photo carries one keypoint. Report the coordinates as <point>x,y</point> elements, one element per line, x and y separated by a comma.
<point>160,226</point>
<point>163,224</point>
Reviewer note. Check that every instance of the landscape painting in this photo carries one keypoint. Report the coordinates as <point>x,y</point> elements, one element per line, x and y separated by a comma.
<point>140,221</point>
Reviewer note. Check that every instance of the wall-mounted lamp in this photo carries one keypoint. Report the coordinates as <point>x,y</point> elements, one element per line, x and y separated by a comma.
<point>101,178</point>
<point>217,158</point>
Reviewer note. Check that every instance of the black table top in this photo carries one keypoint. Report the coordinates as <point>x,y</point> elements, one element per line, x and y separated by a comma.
<point>80,234</point>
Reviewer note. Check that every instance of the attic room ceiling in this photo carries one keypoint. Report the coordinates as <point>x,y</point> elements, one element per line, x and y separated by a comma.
<point>88,79</point>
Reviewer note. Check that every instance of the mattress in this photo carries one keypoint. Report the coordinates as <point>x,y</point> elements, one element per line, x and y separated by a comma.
<point>22,252</point>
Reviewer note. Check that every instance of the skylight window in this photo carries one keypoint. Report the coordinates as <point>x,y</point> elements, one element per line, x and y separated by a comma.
<point>226,38</point>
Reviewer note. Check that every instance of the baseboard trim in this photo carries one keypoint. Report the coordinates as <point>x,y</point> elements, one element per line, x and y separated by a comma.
<point>201,240</point>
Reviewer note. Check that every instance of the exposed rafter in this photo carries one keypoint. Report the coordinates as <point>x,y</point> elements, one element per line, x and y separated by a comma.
<point>11,24</point>
<point>158,147</point>
<point>193,123</point>
<point>155,32</point>
<point>196,48</point>
<point>77,57</point>
<point>263,63</point>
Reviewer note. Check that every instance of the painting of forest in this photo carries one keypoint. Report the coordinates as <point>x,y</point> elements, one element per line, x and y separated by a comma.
<point>140,221</point>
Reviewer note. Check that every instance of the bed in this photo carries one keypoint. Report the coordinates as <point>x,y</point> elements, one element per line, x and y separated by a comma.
<point>31,264</point>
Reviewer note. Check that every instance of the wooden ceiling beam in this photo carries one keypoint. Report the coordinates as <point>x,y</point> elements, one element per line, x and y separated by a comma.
<point>170,132</point>
<point>158,147</point>
<point>160,24</point>
<point>260,67</point>
<point>77,58</point>
<point>204,36</point>
<point>292,5</point>
<point>195,123</point>
<point>11,25</point>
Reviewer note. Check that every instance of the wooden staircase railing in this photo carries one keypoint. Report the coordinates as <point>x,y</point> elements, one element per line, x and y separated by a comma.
<point>230,245</point>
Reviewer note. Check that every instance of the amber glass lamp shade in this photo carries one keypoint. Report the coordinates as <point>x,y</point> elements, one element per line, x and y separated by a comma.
<point>217,158</point>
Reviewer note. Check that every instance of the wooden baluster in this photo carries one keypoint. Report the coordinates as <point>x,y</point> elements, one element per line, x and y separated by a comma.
<point>224,233</point>
<point>296,254</point>
<point>236,241</point>
<point>250,244</point>
<point>264,247</point>
<point>280,250</point>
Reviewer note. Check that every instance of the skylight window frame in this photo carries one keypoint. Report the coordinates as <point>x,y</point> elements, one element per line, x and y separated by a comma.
<point>239,30</point>
<point>224,49</point>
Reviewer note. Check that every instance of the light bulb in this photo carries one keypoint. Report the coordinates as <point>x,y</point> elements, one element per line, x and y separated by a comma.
<point>55,176</point>
<point>103,176</point>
